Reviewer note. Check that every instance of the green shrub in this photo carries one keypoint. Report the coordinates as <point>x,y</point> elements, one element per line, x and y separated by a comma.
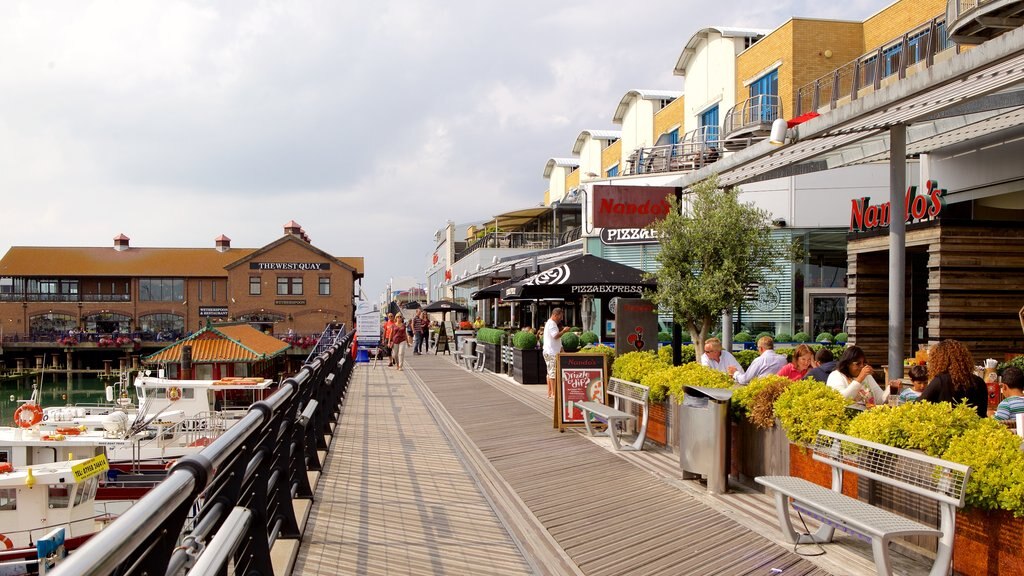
<point>924,426</point>
<point>524,340</point>
<point>490,335</point>
<point>841,338</point>
<point>824,337</point>
<point>658,381</point>
<point>807,406</point>
<point>742,336</point>
<point>601,349</point>
<point>745,357</point>
<point>783,337</point>
<point>589,338</point>
<point>664,336</point>
<point>687,354</point>
<point>693,374</point>
<point>801,337</point>
<point>1017,361</point>
<point>758,398</point>
<point>997,475</point>
<point>570,342</point>
<point>762,335</point>
<point>633,366</point>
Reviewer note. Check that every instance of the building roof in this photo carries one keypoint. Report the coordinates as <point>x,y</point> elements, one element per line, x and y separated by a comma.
<point>594,135</point>
<point>724,31</point>
<point>288,238</point>
<point>229,343</point>
<point>620,110</point>
<point>564,162</point>
<point>138,262</point>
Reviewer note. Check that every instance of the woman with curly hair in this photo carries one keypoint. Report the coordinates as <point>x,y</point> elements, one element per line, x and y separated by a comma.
<point>952,379</point>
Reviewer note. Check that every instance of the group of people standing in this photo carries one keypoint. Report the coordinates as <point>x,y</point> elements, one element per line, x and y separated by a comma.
<point>396,333</point>
<point>949,376</point>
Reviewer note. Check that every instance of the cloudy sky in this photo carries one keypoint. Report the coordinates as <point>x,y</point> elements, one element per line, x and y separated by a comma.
<point>368,123</point>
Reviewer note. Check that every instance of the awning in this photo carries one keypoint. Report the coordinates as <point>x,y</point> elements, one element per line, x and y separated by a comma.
<point>586,274</point>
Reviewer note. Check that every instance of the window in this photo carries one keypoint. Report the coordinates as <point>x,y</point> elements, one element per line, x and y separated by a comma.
<point>891,60</point>
<point>58,495</point>
<point>289,286</point>
<point>709,126</point>
<point>764,108</point>
<point>325,286</point>
<point>8,498</point>
<point>613,171</point>
<point>162,327</point>
<point>161,289</point>
<point>255,288</point>
<point>213,291</point>
<point>610,141</point>
<point>199,289</point>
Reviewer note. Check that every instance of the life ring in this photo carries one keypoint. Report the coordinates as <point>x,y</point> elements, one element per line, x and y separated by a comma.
<point>28,415</point>
<point>69,431</point>
<point>6,542</point>
<point>174,393</point>
<point>6,467</point>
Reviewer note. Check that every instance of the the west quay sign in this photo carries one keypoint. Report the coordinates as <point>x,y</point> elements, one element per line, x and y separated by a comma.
<point>865,216</point>
<point>289,266</point>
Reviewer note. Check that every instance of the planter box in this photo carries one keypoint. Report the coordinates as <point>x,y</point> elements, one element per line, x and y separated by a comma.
<point>802,465</point>
<point>492,358</point>
<point>988,543</point>
<point>757,452</point>
<point>658,422</point>
<point>528,367</point>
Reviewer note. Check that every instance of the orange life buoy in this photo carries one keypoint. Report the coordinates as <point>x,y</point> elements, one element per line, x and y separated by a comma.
<point>28,415</point>
<point>174,393</point>
<point>69,431</point>
<point>6,542</point>
<point>6,467</point>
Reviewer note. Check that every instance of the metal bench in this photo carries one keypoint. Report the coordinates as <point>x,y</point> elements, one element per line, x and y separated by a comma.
<point>622,391</point>
<point>934,478</point>
<point>470,355</point>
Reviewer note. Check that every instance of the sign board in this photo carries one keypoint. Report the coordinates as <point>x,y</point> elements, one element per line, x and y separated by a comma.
<point>289,302</point>
<point>865,216</point>
<point>90,468</point>
<point>213,311</point>
<point>636,325</point>
<point>630,206</point>
<point>578,378</point>
<point>615,236</point>
<point>368,327</point>
<point>289,266</point>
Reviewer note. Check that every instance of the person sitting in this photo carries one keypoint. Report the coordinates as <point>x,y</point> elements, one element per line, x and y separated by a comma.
<point>769,362</point>
<point>716,358</point>
<point>803,356</point>
<point>824,364</point>
<point>1013,392</point>
<point>478,323</point>
<point>853,378</point>
<point>951,369</point>
<point>918,379</point>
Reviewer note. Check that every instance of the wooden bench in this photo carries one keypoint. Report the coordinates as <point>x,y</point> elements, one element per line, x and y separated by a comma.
<point>622,391</point>
<point>933,478</point>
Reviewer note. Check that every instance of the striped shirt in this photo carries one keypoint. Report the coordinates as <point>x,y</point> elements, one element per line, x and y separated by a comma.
<point>908,395</point>
<point>1010,406</point>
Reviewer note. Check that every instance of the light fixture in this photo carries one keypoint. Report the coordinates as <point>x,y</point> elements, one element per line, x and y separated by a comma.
<point>778,134</point>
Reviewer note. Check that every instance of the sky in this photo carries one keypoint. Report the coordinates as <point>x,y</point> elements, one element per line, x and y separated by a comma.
<point>369,123</point>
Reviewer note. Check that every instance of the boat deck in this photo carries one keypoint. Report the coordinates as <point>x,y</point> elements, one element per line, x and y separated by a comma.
<point>437,470</point>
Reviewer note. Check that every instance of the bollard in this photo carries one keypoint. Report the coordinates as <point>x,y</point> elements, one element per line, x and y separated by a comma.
<point>106,366</point>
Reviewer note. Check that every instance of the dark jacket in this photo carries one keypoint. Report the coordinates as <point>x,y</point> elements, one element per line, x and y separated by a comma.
<point>941,389</point>
<point>821,372</point>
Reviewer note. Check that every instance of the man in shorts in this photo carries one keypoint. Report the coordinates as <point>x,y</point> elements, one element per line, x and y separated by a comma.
<point>553,332</point>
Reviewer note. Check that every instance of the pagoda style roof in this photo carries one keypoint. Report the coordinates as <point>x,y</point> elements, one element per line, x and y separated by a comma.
<point>226,343</point>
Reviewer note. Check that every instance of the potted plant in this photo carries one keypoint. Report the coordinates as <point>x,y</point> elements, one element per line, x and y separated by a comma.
<point>842,338</point>
<point>634,366</point>
<point>824,338</point>
<point>527,361</point>
<point>570,342</point>
<point>588,338</point>
<point>759,447</point>
<point>783,337</point>
<point>801,337</point>
<point>489,339</point>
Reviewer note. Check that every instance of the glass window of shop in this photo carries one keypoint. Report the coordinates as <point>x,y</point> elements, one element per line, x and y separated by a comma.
<point>255,286</point>
<point>819,268</point>
<point>108,323</point>
<point>162,289</point>
<point>162,327</point>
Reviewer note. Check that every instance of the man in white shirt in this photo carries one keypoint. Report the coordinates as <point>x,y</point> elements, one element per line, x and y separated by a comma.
<point>552,346</point>
<point>716,358</point>
<point>769,362</point>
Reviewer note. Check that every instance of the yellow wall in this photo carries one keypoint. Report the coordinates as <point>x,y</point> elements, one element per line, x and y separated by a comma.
<point>753,61</point>
<point>899,18</point>
<point>811,38</point>
<point>610,156</point>
<point>669,117</point>
<point>572,180</point>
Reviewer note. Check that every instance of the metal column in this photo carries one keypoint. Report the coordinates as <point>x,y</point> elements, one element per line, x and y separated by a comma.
<point>897,246</point>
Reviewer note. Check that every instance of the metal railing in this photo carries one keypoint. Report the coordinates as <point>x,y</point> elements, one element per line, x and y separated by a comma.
<point>892,58</point>
<point>697,149</point>
<point>226,506</point>
<point>752,113</point>
<point>976,21</point>
<point>500,239</point>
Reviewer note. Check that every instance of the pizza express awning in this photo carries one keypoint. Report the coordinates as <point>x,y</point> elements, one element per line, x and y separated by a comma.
<point>582,275</point>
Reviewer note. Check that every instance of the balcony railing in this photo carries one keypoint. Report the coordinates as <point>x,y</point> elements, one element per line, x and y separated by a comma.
<point>698,148</point>
<point>892,59</point>
<point>529,240</point>
<point>975,21</point>
<point>750,120</point>
<point>15,297</point>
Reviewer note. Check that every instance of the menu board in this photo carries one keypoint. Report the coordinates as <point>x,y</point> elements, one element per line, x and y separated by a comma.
<point>579,378</point>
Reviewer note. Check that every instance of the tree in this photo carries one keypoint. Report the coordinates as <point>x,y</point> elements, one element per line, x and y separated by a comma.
<point>712,252</point>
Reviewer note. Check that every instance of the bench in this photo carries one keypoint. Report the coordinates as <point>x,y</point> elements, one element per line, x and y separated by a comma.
<point>933,478</point>
<point>470,355</point>
<point>622,391</point>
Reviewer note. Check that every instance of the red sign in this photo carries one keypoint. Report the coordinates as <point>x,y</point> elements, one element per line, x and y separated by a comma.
<point>630,206</point>
<point>580,378</point>
<point>435,258</point>
<point>916,207</point>
<point>448,274</point>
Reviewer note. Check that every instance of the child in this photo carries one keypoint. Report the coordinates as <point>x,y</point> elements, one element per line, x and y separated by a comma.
<point>1013,388</point>
<point>918,379</point>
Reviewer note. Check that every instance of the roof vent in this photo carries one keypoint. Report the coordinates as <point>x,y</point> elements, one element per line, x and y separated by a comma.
<point>292,228</point>
<point>121,242</point>
<point>223,243</point>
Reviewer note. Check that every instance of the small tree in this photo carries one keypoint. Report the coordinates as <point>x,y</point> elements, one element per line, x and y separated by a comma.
<point>711,253</point>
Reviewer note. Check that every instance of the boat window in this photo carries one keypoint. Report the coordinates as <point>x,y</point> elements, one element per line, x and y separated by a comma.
<point>86,490</point>
<point>187,393</point>
<point>58,495</point>
<point>8,498</point>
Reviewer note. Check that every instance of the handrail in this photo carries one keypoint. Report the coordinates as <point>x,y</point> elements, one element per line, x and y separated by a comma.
<point>754,111</point>
<point>260,465</point>
<point>510,239</point>
<point>698,148</point>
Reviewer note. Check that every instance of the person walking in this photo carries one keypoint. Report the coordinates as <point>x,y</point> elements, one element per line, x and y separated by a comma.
<point>399,342</point>
<point>417,332</point>
<point>553,332</point>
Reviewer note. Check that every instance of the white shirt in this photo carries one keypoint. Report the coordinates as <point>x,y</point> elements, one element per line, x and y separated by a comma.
<point>857,391</point>
<point>769,362</point>
<point>723,363</point>
<point>552,343</point>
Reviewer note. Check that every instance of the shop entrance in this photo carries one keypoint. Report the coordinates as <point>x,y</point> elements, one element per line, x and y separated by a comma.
<point>825,311</point>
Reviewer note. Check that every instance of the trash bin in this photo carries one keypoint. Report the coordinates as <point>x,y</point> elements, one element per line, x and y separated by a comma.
<point>703,420</point>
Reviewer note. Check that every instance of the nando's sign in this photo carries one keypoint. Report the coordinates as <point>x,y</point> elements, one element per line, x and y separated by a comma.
<point>865,216</point>
<point>630,206</point>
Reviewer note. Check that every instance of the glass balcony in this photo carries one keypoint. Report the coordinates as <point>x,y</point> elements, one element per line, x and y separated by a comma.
<point>697,149</point>
<point>750,121</point>
<point>975,21</point>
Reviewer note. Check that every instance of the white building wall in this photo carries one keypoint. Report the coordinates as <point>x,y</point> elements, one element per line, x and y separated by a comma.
<point>637,128</point>
<point>590,156</point>
<point>556,184</point>
<point>711,78</point>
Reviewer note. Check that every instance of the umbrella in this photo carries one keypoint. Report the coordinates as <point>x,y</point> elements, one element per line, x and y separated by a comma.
<point>411,305</point>
<point>494,290</point>
<point>445,306</point>
<point>586,274</point>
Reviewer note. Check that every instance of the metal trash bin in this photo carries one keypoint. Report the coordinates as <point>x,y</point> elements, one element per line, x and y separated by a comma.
<point>703,424</point>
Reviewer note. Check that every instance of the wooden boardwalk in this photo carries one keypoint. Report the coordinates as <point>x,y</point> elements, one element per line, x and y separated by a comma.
<point>437,470</point>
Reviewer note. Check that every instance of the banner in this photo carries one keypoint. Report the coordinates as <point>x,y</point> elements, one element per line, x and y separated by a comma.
<point>636,325</point>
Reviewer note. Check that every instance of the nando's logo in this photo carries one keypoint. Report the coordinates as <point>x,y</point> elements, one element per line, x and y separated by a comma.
<point>865,216</point>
